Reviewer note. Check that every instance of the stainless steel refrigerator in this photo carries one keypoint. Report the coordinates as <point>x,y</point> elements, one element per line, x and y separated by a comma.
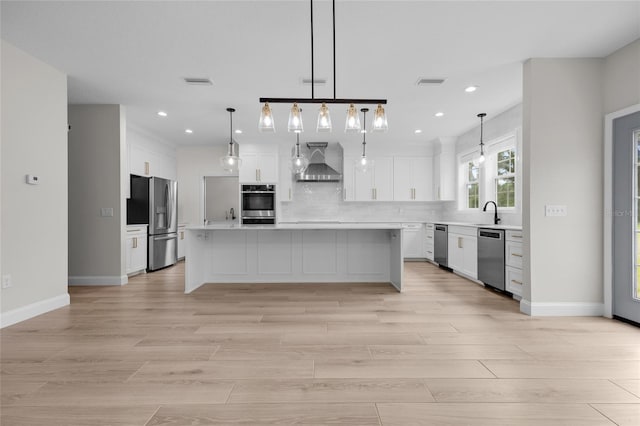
<point>163,223</point>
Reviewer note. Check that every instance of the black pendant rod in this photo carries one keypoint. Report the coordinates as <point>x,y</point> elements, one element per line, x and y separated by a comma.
<point>334,49</point>
<point>364,130</point>
<point>313,82</point>
<point>321,100</point>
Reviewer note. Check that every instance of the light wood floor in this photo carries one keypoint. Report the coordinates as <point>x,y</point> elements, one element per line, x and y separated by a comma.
<point>445,352</point>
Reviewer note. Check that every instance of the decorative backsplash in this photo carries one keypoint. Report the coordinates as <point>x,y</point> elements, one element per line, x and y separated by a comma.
<point>323,201</point>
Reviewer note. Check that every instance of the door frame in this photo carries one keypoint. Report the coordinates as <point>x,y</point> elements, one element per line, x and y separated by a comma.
<point>608,206</point>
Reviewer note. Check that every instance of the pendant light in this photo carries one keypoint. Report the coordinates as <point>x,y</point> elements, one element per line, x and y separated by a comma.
<point>482,115</point>
<point>231,162</point>
<point>324,119</point>
<point>266,123</point>
<point>352,124</point>
<point>295,119</point>
<point>364,164</point>
<point>380,120</point>
<point>299,162</point>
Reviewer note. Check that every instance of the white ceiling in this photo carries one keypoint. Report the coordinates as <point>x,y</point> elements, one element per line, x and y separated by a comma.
<point>137,53</point>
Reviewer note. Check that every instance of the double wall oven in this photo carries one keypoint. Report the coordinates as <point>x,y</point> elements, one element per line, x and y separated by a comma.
<point>258,204</point>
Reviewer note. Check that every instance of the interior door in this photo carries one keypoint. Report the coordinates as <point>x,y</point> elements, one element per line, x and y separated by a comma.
<point>626,226</point>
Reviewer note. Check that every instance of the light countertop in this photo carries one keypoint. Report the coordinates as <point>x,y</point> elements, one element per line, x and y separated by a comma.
<point>481,225</point>
<point>302,225</point>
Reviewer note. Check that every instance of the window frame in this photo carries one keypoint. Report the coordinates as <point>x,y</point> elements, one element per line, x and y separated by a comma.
<point>488,173</point>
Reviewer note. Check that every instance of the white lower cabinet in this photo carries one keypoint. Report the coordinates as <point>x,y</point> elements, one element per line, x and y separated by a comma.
<point>413,240</point>
<point>136,249</point>
<point>513,263</point>
<point>182,243</point>
<point>429,241</point>
<point>463,250</point>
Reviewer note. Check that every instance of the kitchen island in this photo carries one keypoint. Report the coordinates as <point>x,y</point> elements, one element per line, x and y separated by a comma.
<point>294,253</point>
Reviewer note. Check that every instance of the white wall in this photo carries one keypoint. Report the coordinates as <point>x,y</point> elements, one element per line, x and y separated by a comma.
<point>34,218</point>
<point>622,78</point>
<point>192,164</point>
<point>562,139</point>
<point>507,122</point>
<point>97,160</point>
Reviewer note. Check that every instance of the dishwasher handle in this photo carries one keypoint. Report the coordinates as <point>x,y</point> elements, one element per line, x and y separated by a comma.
<point>441,227</point>
<point>497,235</point>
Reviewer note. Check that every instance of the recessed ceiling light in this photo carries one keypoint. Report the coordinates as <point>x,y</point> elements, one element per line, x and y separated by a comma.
<point>238,131</point>
<point>162,113</point>
<point>471,89</point>
<point>439,114</point>
<point>417,131</point>
<point>188,131</point>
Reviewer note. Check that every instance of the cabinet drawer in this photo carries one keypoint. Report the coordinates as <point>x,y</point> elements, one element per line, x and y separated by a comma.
<point>429,253</point>
<point>513,280</point>
<point>513,254</point>
<point>429,226</point>
<point>429,236</point>
<point>513,236</point>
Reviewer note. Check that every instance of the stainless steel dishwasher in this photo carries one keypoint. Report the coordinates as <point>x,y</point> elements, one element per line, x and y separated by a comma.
<point>491,257</point>
<point>441,247</point>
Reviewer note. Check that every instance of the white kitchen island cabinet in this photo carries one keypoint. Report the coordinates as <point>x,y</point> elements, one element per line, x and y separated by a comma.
<point>294,253</point>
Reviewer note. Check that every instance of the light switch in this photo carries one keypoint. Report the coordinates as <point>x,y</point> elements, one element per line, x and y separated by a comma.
<point>106,212</point>
<point>33,179</point>
<point>555,210</point>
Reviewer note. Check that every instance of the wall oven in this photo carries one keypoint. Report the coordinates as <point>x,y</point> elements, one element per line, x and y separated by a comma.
<point>258,204</point>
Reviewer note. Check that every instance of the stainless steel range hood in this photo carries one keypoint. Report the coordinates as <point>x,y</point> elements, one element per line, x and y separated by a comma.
<point>320,154</point>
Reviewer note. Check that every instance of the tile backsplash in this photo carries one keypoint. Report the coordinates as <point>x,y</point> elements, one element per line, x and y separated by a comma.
<point>323,201</point>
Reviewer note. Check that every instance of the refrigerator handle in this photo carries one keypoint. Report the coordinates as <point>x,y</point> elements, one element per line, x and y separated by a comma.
<point>167,201</point>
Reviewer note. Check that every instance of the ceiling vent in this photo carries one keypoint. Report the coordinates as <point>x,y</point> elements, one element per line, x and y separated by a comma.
<point>198,81</point>
<point>316,81</point>
<point>429,81</point>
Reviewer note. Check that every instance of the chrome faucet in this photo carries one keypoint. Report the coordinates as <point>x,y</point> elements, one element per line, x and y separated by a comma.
<point>232,213</point>
<point>496,219</point>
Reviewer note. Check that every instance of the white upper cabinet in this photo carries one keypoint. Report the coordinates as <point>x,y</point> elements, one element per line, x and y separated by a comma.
<point>146,162</point>
<point>259,167</point>
<point>376,184</point>
<point>412,179</point>
<point>444,174</point>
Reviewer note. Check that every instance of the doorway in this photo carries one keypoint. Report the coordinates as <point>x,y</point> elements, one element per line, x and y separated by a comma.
<point>626,218</point>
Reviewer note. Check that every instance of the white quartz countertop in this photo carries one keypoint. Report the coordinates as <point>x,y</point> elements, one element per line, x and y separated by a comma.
<point>303,225</point>
<point>481,225</point>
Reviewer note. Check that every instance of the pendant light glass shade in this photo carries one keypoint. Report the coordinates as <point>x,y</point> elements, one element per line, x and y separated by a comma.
<point>380,120</point>
<point>364,164</point>
<point>299,162</point>
<point>324,119</point>
<point>353,120</point>
<point>481,116</point>
<point>295,119</point>
<point>266,123</point>
<point>231,162</point>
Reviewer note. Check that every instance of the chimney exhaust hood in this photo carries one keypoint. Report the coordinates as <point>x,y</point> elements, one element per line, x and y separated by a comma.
<point>319,155</point>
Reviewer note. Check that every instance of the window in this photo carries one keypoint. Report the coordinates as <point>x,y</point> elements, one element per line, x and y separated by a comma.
<point>496,179</point>
<point>636,231</point>
<point>505,181</point>
<point>472,185</point>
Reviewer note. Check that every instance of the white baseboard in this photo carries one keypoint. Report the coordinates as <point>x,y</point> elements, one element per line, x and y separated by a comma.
<point>99,280</point>
<point>561,309</point>
<point>15,316</point>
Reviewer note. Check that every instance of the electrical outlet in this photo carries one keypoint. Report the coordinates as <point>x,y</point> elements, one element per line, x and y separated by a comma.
<point>6,281</point>
<point>555,210</point>
<point>106,212</point>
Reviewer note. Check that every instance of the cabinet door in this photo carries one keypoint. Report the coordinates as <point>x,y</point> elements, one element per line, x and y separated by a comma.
<point>456,257</point>
<point>181,242</point>
<point>412,243</point>
<point>348,179</point>
<point>363,185</point>
<point>383,179</point>
<point>422,175</point>
<point>139,258</point>
<point>268,168</point>
<point>139,161</point>
<point>447,176</point>
<point>470,256</point>
<point>402,179</point>
<point>248,172</point>
<point>128,254</point>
